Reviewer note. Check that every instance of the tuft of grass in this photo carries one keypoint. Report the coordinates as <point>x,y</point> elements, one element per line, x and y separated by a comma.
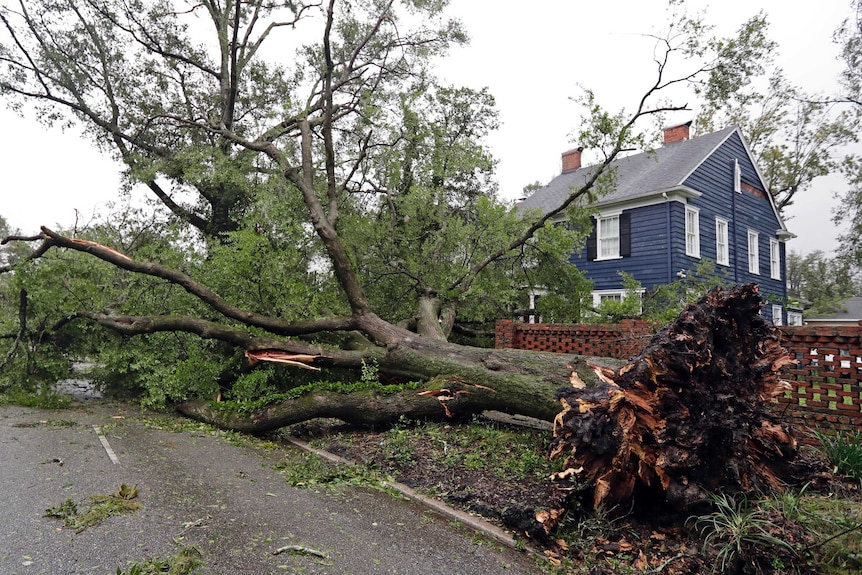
<point>843,451</point>
<point>736,529</point>
<point>101,507</point>
<point>185,562</point>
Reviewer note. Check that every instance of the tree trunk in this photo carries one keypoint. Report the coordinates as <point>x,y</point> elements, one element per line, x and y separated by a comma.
<point>687,417</point>
<point>461,381</point>
<point>428,322</point>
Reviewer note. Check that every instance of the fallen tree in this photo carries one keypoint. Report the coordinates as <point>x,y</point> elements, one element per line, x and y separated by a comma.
<point>456,381</point>
<point>687,417</point>
<point>311,208</point>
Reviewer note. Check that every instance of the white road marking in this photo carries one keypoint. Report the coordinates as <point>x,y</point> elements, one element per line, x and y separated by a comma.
<point>106,445</point>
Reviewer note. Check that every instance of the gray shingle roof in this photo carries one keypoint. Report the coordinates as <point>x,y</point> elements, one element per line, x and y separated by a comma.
<point>638,175</point>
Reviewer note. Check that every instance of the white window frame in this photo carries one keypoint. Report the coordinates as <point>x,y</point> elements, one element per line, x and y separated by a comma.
<point>774,259</point>
<point>794,318</point>
<point>777,315</point>
<point>753,252</point>
<point>722,250</point>
<point>692,231</point>
<point>737,177</point>
<point>607,246</point>
<point>616,294</point>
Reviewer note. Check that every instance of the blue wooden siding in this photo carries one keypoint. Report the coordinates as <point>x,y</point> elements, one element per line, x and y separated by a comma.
<point>649,260</point>
<point>652,264</point>
<point>744,211</point>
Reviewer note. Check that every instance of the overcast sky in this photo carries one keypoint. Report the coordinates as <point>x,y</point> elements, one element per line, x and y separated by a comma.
<point>532,58</point>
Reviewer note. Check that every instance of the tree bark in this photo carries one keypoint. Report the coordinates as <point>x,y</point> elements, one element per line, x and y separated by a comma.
<point>461,381</point>
<point>687,417</point>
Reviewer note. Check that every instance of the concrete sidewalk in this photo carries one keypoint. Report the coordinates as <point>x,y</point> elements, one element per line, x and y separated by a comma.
<point>197,489</point>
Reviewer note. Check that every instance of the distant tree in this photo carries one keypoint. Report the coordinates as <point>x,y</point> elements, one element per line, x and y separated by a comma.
<point>795,136</point>
<point>849,38</point>
<point>849,212</point>
<point>819,283</point>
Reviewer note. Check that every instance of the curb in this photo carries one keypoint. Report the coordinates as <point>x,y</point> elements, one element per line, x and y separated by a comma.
<point>477,524</point>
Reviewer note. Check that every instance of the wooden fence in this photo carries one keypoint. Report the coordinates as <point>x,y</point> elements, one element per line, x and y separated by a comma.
<point>826,382</point>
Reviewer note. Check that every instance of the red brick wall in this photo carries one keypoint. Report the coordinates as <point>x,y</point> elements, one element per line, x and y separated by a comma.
<point>620,340</point>
<point>826,382</point>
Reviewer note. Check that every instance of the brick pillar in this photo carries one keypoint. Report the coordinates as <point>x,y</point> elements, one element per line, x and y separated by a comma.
<point>504,334</point>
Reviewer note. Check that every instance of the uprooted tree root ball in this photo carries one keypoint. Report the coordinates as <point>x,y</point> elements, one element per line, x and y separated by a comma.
<point>688,417</point>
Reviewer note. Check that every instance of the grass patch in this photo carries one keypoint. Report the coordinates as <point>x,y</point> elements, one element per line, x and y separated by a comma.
<point>505,452</point>
<point>308,470</point>
<point>101,507</point>
<point>737,530</point>
<point>185,562</point>
<point>843,451</point>
<point>181,424</point>
<point>46,400</point>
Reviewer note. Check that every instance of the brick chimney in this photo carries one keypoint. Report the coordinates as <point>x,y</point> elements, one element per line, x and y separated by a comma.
<point>677,133</point>
<point>572,160</point>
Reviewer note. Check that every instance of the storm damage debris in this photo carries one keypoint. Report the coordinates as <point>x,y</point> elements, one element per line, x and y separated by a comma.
<point>688,417</point>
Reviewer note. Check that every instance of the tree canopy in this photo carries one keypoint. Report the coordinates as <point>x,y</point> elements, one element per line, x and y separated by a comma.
<point>334,209</point>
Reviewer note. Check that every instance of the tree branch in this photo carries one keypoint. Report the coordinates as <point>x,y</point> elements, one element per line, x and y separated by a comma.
<point>204,294</point>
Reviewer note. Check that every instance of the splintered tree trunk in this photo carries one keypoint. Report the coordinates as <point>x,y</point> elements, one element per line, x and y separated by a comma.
<point>458,381</point>
<point>688,416</point>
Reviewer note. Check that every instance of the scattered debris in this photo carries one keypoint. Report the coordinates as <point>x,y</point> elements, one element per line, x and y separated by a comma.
<point>101,507</point>
<point>300,550</point>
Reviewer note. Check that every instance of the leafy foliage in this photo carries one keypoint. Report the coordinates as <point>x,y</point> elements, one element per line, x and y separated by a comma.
<point>661,304</point>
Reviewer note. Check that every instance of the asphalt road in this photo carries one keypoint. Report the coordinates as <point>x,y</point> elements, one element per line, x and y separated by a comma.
<point>198,489</point>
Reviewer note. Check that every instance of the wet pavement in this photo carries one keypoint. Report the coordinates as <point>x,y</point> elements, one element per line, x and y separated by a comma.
<point>198,489</point>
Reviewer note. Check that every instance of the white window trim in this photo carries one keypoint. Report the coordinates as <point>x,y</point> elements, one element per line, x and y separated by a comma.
<point>737,177</point>
<point>794,318</point>
<point>722,256</point>
<point>777,315</point>
<point>695,233</point>
<point>753,252</point>
<point>774,259</point>
<point>599,238</point>
<point>597,295</point>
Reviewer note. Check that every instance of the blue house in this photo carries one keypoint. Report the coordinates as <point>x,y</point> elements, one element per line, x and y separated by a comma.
<point>690,200</point>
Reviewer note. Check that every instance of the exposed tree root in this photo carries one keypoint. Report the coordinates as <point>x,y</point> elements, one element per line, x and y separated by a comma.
<point>687,417</point>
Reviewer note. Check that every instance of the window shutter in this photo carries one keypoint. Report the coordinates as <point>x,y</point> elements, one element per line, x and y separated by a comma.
<point>592,248</point>
<point>625,234</point>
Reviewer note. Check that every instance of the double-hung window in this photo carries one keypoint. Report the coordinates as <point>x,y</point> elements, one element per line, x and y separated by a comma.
<point>692,232</point>
<point>774,259</point>
<point>753,254</point>
<point>608,237</point>
<point>722,250</point>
